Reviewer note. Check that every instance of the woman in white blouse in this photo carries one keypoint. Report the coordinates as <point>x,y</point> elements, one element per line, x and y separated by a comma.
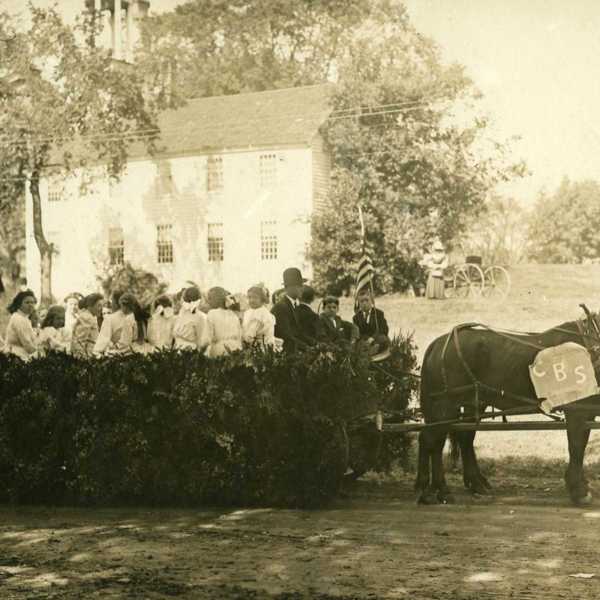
<point>119,329</point>
<point>190,324</point>
<point>85,330</point>
<point>20,337</point>
<point>53,336</point>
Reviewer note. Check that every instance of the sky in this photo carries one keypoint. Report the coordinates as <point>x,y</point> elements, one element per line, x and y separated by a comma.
<point>537,64</point>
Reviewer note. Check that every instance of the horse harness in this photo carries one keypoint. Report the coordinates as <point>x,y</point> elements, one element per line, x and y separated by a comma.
<point>588,330</point>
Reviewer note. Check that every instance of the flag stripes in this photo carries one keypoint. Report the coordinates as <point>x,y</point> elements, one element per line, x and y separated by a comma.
<point>365,273</point>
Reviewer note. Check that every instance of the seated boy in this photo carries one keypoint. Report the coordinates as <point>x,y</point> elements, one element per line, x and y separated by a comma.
<point>371,322</point>
<point>333,328</point>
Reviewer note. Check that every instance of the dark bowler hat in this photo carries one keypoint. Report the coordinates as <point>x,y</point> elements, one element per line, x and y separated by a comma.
<point>292,276</point>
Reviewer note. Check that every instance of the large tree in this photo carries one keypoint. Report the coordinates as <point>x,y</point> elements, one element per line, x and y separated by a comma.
<point>409,146</point>
<point>565,225</point>
<point>69,106</point>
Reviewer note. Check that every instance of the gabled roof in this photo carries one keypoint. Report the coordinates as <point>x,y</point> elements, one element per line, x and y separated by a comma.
<point>284,117</point>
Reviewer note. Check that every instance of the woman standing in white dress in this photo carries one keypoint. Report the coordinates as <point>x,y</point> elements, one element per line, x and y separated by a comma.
<point>189,329</point>
<point>20,336</point>
<point>258,324</point>
<point>224,331</point>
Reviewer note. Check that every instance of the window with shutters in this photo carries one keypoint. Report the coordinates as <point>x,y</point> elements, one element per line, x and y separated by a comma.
<point>216,246</point>
<point>267,170</point>
<point>214,173</point>
<point>164,244</point>
<point>268,240</point>
<point>116,246</point>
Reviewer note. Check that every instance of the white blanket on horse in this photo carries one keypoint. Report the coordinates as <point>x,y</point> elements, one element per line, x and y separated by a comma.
<point>563,374</point>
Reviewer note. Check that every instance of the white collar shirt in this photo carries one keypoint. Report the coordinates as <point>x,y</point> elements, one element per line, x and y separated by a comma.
<point>292,300</point>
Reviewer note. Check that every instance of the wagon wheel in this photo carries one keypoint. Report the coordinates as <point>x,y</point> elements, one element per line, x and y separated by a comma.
<point>497,282</point>
<point>449,289</point>
<point>469,281</point>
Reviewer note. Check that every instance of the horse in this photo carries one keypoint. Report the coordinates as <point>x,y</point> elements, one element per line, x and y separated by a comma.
<point>473,353</point>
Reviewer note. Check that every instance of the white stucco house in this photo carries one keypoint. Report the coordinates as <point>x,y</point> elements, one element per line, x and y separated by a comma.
<point>227,200</point>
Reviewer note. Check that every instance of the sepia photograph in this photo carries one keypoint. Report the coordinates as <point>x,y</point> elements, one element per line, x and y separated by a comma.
<point>299,299</point>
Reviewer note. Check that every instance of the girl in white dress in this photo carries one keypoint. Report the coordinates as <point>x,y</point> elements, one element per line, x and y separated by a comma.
<point>119,329</point>
<point>160,326</point>
<point>71,305</point>
<point>20,336</point>
<point>85,330</point>
<point>258,324</point>
<point>224,331</point>
<point>189,328</point>
<point>53,335</point>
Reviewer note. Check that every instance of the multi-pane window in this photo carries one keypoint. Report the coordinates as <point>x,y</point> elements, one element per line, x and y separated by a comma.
<point>268,240</point>
<point>267,168</point>
<point>216,248</point>
<point>116,246</point>
<point>55,191</point>
<point>164,243</point>
<point>214,171</point>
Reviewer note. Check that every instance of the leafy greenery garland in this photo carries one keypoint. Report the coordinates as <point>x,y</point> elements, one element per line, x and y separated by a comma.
<point>252,428</point>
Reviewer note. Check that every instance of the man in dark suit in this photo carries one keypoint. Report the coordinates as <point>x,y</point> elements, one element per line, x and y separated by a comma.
<point>369,320</point>
<point>287,326</point>
<point>308,319</point>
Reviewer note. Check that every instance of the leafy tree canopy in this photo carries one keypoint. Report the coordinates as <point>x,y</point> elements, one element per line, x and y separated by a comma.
<point>215,47</point>
<point>565,226</point>
<point>499,234</point>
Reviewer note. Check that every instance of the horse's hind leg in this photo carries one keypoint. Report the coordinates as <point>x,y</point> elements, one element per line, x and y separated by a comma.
<point>472,477</point>
<point>578,437</point>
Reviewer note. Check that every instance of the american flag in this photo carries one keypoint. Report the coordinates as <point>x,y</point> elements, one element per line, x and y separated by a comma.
<point>365,273</point>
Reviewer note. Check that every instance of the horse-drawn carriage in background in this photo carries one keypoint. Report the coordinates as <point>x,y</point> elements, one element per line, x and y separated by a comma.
<point>472,279</point>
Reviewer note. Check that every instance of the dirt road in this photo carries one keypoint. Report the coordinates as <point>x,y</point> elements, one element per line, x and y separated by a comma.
<point>525,542</point>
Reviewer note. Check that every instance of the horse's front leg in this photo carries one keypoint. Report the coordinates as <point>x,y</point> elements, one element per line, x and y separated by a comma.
<point>472,476</point>
<point>578,436</point>
<point>423,482</point>
<point>438,477</point>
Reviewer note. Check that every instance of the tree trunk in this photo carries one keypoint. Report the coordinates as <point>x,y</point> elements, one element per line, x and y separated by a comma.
<point>40,239</point>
